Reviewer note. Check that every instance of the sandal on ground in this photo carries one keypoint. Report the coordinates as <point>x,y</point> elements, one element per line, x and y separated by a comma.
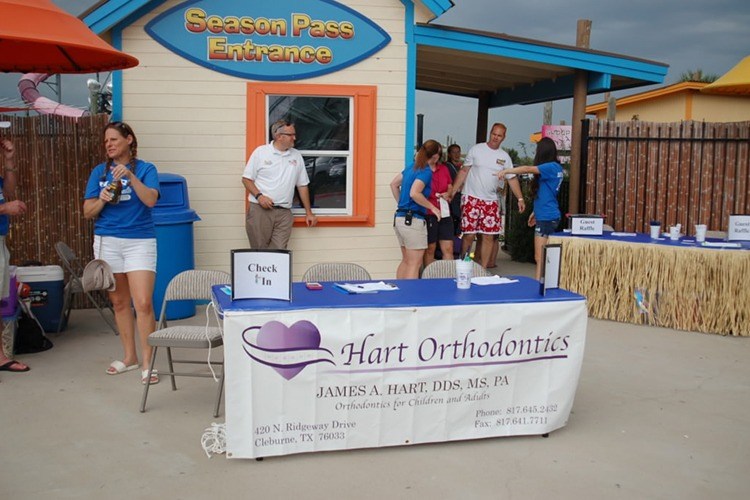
<point>154,377</point>
<point>14,366</point>
<point>118,367</point>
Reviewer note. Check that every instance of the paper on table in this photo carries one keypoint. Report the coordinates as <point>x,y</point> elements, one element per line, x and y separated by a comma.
<point>720,245</point>
<point>614,233</point>
<point>491,280</point>
<point>378,286</point>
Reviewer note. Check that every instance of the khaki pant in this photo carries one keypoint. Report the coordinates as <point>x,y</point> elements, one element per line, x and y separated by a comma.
<point>268,229</point>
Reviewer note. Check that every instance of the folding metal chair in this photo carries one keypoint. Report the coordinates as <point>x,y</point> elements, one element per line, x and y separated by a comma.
<point>73,266</point>
<point>336,271</point>
<point>447,269</point>
<point>188,285</point>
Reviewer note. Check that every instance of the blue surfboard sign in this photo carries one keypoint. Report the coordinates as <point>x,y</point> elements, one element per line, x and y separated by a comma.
<point>268,40</point>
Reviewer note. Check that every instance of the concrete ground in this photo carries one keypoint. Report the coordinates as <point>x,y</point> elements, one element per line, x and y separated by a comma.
<point>658,414</point>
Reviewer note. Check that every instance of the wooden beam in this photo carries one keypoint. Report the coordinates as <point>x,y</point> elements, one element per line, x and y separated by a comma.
<point>580,90</point>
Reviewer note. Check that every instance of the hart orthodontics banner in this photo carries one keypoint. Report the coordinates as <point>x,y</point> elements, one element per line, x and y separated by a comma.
<point>329,379</point>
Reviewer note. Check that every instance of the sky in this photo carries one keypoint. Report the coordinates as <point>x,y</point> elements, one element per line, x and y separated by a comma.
<point>685,34</point>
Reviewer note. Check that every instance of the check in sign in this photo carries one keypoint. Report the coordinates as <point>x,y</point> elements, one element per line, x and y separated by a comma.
<point>262,274</point>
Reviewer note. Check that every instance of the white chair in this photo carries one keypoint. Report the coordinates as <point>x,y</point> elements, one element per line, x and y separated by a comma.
<point>188,285</point>
<point>447,269</point>
<point>336,271</point>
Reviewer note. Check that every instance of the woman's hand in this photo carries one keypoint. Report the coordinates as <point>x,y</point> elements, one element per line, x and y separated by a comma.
<point>435,211</point>
<point>105,195</point>
<point>15,207</point>
<point>119,171</point>
<point>532,220</point>
<point>7,148</point>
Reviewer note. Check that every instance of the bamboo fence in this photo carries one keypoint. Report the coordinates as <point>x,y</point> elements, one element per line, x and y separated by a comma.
<point>685,172</point>
<point>55,156</point>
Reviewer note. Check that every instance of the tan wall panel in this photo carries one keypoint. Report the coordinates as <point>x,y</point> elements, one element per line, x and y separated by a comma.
<point>191,121</point>
<point>721,108</point>
<point>676,107</point>
<point>144,114</point>
<point>669,108</point>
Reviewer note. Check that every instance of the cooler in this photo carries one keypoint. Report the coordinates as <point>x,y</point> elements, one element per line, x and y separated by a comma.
<point>46,295</point>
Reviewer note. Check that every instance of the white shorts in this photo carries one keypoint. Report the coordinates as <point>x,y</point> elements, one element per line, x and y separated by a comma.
<point>126,254</point>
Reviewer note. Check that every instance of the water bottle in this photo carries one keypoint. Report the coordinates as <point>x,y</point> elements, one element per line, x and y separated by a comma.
<point>115,188</point>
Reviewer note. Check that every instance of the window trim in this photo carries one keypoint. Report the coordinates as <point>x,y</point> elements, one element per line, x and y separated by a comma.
<point>363,136</point>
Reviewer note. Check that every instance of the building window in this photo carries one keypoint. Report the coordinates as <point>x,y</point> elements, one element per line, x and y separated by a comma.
<point>324,130</point>
<point>336,135</point>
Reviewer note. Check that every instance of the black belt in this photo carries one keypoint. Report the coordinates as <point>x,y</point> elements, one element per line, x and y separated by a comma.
<point>403,211</point>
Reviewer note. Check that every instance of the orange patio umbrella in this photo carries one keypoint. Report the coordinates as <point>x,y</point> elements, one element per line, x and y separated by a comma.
<point>36,36</point>
<point>736,81</point>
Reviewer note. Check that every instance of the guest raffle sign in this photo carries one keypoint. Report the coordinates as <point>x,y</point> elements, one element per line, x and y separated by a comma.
<point>268,39</point>
<point>328,379</point>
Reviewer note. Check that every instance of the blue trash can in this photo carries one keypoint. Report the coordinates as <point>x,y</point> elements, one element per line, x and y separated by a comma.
<point>173,219</point>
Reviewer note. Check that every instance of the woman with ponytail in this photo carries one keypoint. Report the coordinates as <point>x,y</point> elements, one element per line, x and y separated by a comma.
<point>119,197</point>
<point>411,188</point>
<point>548,176</point>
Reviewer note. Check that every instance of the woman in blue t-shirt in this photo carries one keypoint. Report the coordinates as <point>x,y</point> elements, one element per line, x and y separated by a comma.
<point>125,237</point>
<point>411,188</point>
<point>548,176</point>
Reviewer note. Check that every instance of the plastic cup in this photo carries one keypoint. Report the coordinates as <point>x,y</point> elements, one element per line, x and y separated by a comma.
<point>700,233</point>
<point>655,230</point>
<point>463,274</point>
<point>674,233</point>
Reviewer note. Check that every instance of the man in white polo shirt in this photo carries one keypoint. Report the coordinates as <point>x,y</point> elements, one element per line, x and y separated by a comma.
<point>270,176</point>
<point>480,212</point>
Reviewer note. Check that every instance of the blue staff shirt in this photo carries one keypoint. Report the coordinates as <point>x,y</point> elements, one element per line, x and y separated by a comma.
<point>130,218</point>
<point>410,174</point>
<point>546,207</point>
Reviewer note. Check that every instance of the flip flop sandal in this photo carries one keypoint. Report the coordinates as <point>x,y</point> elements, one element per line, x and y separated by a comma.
<point>8,367</point>
<point>154,377</point>
<point>118,367</point>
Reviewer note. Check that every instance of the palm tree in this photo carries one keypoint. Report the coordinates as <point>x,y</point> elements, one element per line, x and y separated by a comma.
<point>697,75</point>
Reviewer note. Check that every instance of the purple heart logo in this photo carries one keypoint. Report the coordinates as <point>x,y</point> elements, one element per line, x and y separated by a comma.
<point>277,337</point>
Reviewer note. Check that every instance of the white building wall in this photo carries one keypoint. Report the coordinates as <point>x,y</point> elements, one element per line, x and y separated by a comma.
<point>191,121</point>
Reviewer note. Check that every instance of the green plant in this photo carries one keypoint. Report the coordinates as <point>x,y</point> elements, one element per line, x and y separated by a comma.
<point>697,75</point>
<point>519,237</point>
<point>516,157</point>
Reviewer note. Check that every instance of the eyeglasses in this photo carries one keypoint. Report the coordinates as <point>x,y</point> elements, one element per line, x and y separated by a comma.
<point>287,133</point>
